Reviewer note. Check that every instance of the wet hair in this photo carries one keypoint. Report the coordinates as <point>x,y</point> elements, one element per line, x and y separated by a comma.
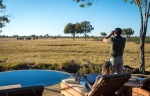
<point>107,68</point>
<point>118,31</point>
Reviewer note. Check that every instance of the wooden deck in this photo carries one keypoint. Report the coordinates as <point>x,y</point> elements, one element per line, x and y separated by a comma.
<point>140,92</point>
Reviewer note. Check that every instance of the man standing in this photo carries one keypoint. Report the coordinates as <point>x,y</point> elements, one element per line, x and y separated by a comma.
<point>117,43</point>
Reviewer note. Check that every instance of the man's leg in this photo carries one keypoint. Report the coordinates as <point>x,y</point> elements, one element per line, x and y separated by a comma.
<point>120,65</point>
<point>114,65</point>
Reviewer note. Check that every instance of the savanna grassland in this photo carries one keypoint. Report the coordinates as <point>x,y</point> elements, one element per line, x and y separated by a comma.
<point>57,51</point>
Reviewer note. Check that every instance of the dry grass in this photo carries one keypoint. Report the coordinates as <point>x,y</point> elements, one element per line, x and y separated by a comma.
<point>50,51</point>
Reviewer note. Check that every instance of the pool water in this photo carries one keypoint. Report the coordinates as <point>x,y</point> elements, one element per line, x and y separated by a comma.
<point>32,77</point>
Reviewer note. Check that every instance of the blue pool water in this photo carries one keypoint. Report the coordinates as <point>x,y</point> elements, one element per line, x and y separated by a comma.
<point>32,77</point>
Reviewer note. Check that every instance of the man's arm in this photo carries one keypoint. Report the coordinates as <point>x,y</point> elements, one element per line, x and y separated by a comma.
<point>107,37</point>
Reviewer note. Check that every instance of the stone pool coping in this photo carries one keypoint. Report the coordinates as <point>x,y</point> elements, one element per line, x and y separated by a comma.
<point>53,90</point>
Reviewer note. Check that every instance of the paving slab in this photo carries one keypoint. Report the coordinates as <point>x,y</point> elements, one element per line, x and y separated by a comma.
<point>52,90</point>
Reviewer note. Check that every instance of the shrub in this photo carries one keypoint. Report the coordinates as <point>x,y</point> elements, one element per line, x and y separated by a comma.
<point>47,66</point>
<point>17,66</point>
<point>147,40</point>
<point>54,67</point>
<point>42,66</point>
<point>96,39</point>
<point>2,68</point>
<point>70,66</point>
<point>94,68</point>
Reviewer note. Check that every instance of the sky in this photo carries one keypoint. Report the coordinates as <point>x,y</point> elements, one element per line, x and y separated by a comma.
<point>41,17</point>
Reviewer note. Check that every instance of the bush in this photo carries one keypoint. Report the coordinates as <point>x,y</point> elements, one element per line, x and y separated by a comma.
<point>55,67</point>
<point>20,66</point>
<point>147,40</point>
<point>42,66</point>
<point>137,39</point>
<point>47,66</point>
<point>94,68</point>
<point>17,66</point>
<point>70,66</point>
<point>96,39</point>
<point>2,68</point>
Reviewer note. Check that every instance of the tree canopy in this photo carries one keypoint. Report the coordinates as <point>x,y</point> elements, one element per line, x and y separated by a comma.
<point>70,29</point>
<point>78,28</point>
<point>127,31</point>
<point>103,34</point>
<point>85,2</point>
<point>3,18</point>
<point>86,28</point>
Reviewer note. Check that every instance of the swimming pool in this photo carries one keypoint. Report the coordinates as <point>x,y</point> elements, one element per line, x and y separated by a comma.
<point>32,77</point>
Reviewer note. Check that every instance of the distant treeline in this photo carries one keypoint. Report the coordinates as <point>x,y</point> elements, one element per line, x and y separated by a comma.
<point>24,37</point>
<point>43,36</point>
<point>135,39</point>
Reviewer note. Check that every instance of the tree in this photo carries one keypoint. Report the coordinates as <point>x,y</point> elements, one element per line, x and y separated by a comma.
<point>128,32</point>
<point>70,29</point>
<point>79,28</point>
<point>3,18</point>
<point>103,34</point>
<point>84,2</point>
<point>86,28</point>
<point>47,35</point>
<point>143,5</point>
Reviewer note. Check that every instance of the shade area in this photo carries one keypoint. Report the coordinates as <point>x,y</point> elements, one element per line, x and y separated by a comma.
<point>32,77</point>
